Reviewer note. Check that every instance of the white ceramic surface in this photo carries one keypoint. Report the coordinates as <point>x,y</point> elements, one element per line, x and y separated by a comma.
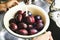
<point>10,14</point>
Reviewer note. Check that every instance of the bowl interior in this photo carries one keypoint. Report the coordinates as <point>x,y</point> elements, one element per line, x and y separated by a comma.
<point>35,11</point>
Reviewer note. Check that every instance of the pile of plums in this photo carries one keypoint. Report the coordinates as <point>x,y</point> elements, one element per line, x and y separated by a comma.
<point>26,25</point>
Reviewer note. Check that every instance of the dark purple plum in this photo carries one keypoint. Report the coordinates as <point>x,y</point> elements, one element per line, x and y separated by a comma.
<point>19,18</point>
<point>13,26</point>
<point>23,32</point>
<point>29,13</point>
<point>20,12</point>
<point>12,21</point>
<point>33,31</point>
<point>39,21</point>
<point>37,17</point>
<point>30,26</point>
<point>22,25</point>
<point>30,19</point>
<point>40,26</point>
<point>24,14</point>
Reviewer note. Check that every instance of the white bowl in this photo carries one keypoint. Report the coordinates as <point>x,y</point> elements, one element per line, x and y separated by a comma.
<point>35,11</point>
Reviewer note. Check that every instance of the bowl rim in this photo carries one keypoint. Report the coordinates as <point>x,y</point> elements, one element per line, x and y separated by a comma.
<point>23,36</point>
